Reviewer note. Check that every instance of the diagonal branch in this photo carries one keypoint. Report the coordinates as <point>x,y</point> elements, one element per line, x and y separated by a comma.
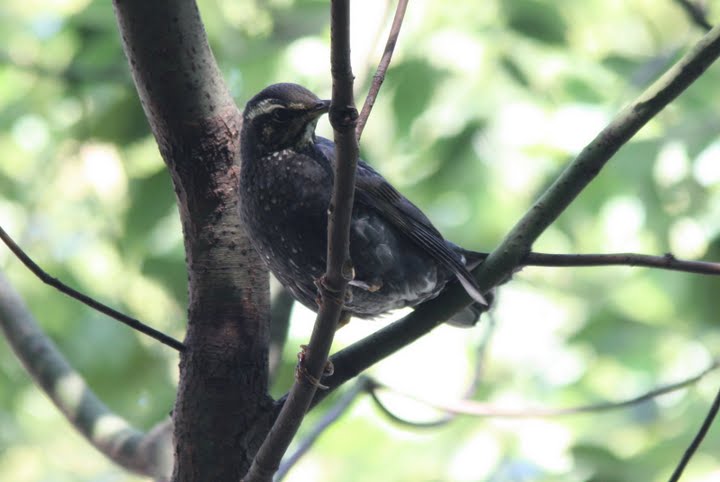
<point>332,415</point>
<point>587,165</point>
<point>148,454</point>
<point>333,285</point>
<point>85,299</point>
<point>510,254</point>
<point>697,440</point>
<point>379,76</point>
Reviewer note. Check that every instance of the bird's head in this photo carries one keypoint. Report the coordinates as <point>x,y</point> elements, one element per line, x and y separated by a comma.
<point>282,116</point>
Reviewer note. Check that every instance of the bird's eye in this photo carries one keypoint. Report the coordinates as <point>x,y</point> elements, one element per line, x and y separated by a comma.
<point>281,115</point>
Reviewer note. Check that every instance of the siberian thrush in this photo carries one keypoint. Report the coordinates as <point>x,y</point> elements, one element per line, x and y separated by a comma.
<point>400,259</point>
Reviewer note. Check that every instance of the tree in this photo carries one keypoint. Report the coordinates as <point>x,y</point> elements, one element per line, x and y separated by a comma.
<point>223,381</point>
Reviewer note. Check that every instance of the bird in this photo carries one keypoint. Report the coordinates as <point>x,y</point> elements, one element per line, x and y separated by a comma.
<point>399,258</point>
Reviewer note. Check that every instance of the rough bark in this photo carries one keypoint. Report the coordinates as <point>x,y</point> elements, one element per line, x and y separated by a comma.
<point>222,412</point>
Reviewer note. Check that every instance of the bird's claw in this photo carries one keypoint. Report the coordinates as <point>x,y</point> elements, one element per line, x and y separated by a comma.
<point>369,287</point>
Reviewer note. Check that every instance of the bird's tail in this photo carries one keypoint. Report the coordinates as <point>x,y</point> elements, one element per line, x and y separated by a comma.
<point>471,260</point>
<point>470,315</point>
<point>468,282</point>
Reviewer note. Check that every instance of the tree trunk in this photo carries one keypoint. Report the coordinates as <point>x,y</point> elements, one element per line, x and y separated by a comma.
<point>222,412</point>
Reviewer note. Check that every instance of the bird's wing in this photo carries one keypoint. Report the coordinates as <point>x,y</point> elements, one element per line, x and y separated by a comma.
<point>369,181</point>
<point>372,190</point>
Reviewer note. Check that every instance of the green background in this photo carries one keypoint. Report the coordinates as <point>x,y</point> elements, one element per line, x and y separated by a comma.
<point>484,105</point>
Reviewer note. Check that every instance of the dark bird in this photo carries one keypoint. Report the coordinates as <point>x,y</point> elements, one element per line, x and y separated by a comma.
<point>400,259</point>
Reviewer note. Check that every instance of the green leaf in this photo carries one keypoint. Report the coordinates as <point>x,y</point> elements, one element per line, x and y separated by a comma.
<point>514,71</point>
<point>536,19</point>
<point>413,83</point>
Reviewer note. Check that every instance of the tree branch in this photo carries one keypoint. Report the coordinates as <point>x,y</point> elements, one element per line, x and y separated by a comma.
<point>332,286</point>
<point>330,417</point>
<point>439,422</point>
<point>666,261</point>
<point>148,454</point>
<point>472,387</point>
<point>587,165</point>
<point>379,76</point>
<point>697,440</point>
<point>86,300</point>
<point>478,409</point>
<point>511,252</point>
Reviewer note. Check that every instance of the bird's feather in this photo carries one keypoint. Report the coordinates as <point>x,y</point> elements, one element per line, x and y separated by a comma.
<point>373,191</point>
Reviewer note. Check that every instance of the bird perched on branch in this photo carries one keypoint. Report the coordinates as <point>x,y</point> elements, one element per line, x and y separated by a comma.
<point>399,258</point>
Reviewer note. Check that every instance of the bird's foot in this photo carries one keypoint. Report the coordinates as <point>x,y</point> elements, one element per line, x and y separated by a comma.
<point>302,373</point>
<point>371,287</point>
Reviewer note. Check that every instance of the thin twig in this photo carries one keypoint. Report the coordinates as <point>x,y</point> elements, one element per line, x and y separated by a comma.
<point>439,422</point>
<point>469,392</point>
<point>481,355</point>
<point>697,13</point>
<point>379,76</point>
<point>697,440</point>
<point>666,261</point>
<point>478,409</point>
<point>514,248</point>
<point>333,285</point>
<point>83,298</point>
<point>330,417</point>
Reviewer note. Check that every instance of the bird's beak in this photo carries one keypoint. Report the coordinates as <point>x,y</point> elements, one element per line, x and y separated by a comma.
<point>321,107</point>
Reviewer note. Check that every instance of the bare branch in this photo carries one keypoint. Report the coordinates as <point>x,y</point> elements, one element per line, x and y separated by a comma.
<point>478,409</point>
<point>444,420</point>
<point>587,165</point>
<point>333,285</point>
<point>330,417</point>
<point>696,12</point>
<point>666,261</point>
<point>510,254</point>
<point>697,440</point>
<point>480,354</point>
<point>379,76</point>
<point>83,298</point>
<point>148,454</point>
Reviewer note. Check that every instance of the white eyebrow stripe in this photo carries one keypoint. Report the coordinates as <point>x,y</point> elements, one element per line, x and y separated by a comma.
<point>268,105</point>
<point>264,107</point>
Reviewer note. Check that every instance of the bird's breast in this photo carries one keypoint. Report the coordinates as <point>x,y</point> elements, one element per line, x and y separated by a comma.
<point>285,196</point>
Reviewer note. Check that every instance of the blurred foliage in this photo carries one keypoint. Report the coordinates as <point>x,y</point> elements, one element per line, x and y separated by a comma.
<point>484,105</point>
